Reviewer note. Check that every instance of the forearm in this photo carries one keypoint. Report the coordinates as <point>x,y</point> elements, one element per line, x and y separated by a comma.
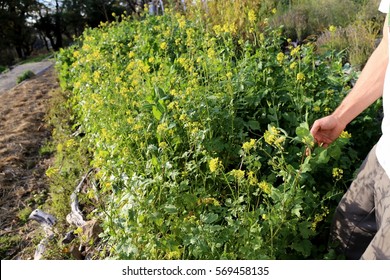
<point>368,88</point>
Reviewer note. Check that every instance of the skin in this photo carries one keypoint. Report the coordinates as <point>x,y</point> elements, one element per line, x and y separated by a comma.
<point>368,88</point>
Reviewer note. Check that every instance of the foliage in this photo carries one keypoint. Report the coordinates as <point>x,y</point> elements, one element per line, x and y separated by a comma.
<point>25,76</point>
<point>358,40</point>
<point>355,31</point>
<point>200,138</point>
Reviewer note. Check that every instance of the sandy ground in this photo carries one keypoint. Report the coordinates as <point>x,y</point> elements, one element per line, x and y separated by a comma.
<point>23,132</point>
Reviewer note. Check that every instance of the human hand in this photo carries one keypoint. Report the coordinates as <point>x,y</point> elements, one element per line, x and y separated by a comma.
<point>326,130</point>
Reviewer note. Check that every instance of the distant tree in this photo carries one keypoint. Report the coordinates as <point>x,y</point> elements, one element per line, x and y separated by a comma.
<point>17,31</point>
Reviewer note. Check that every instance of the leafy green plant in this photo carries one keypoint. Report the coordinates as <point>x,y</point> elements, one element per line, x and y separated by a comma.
<point>25,76</point>
<point>200,138</point>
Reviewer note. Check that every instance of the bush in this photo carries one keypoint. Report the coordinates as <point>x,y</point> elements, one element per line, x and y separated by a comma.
<point>25,76</point>
<point>200,138</point>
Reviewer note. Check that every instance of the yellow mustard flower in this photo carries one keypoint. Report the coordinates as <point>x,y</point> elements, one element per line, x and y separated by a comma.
<point>265,187</point>
<point>293,65</point>
<point>332,28</point>
<point>271,135</point>
<point>247,146</point>
<point>295,51</point>
<point>229,75</point>
<point>163,145</point>
<point>252,178</point>
<point>163,45</point>
<point>345,135</point>
<point>238,174</point>
<point>214,164</point>
<point>337,173</point>
<point>251,16</point>
<point>300,76</point>
<point>217,29</point>
<point>280,57</point>
<point>131,54</point>
<point>161,128</point>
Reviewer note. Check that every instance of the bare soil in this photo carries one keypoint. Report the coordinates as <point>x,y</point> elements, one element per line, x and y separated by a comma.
<point>23,184</point>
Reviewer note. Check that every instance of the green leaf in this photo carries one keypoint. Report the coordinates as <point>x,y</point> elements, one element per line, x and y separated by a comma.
<point>254,125</point>
<point>156,113</point>
<point>209,218</point>
<point>323,157</point>
<point>170,209</point>
<point>302,130</point>
<point>306,167</point>
<point>335,152</point>
<point>296,210</point>
<point>303,247</point>
<point>305,229</point>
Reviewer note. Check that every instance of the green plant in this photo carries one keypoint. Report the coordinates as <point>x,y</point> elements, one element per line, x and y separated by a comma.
<point>199,138</point>
<point>24,214</point>
<point>25,76</point>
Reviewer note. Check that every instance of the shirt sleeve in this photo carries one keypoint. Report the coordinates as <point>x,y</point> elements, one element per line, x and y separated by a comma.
<point>384,6</point>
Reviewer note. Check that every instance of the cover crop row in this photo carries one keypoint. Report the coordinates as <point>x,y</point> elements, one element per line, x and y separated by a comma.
<point>200,138</point>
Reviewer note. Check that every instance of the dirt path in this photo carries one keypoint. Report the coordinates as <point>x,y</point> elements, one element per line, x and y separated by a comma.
<point>23,132</point>
<point>8,79</point>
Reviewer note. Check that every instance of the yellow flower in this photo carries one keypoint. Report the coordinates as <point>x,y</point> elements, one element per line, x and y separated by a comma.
<point>345,134</point>
<point>229,28</point>
<point>293,65</point>
<point>131,54</point>
<point>337,173</point>
<point>163,45</point>
<point>308,141</point>
<point>217,29</point>
<point>182,22</point>
<point>280,57</point>
<point>238,174</point>
<point>208,201</point>
<point>319,217</point>
<point>332,28</point>
<point>163,145</point>
<point>229,75</point>
<point>214,164</point>
<point>274,10</point>
<point>248,145</point>
<point>251,16</point>
<point>300,76</point>
<point>270,136</point>
<point>161,128</point>
<point>295,51</point>
<point>265,187</point>
<point>252,178</point>
<point>211,53</point>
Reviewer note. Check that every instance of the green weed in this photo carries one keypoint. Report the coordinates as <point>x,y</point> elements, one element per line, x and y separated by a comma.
<point>199,138</point>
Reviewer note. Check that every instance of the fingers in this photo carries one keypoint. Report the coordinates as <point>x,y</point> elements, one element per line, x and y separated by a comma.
<point>315,128</point>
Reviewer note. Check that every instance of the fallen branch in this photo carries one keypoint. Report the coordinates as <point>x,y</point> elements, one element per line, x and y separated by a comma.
<point>75,217</point>
<point>47,222</point>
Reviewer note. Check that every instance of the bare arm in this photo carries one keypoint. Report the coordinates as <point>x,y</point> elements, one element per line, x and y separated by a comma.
<point>368,88</point>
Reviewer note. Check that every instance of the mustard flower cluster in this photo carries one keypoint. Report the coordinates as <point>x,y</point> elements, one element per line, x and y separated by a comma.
<point>215,164</point>
<point>247,146</point>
